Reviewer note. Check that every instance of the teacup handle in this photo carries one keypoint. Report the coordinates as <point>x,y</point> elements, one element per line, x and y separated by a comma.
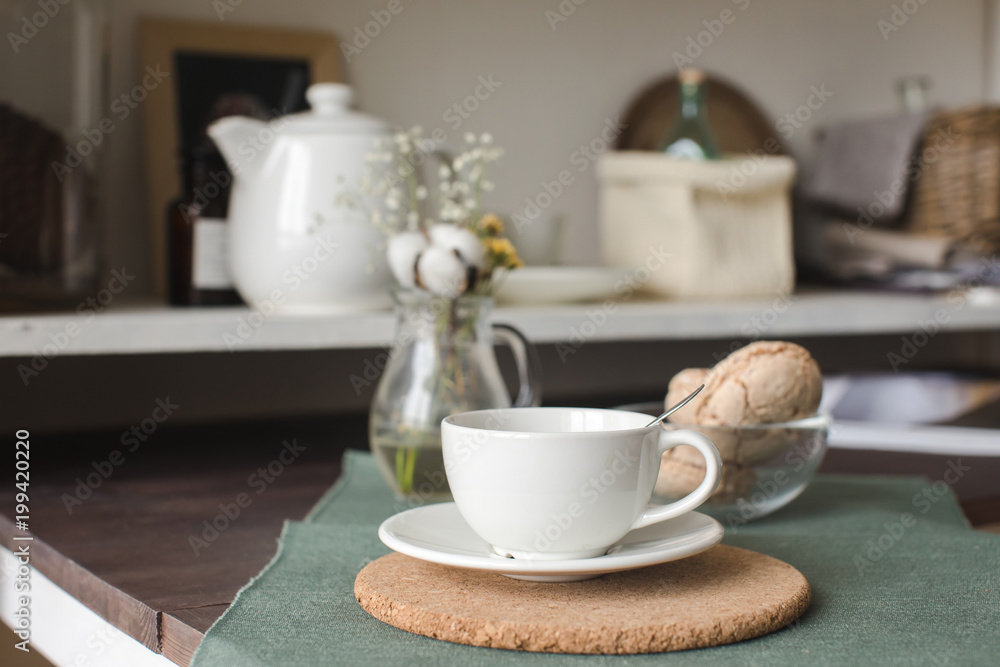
<point>713,471</point>
<point>529,369</point>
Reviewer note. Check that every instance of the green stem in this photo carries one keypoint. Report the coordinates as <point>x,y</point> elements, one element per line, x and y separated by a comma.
<point>406,464</point>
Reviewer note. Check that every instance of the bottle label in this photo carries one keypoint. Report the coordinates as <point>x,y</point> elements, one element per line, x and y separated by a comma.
<point>210,255</point>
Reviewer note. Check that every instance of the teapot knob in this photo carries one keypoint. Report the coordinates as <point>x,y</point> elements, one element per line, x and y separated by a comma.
<point>329,98</point>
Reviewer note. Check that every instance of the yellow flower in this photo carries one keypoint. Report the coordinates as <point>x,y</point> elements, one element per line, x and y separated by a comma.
<point>502,253</point>
<point>491,225</point>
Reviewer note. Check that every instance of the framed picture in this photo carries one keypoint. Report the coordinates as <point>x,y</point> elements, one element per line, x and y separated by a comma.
<point>215,70</point>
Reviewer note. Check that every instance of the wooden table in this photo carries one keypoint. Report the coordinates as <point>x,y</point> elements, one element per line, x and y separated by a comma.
<point>126,551</point>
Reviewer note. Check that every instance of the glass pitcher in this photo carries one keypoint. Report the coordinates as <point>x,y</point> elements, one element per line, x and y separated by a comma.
<point>442,362</point>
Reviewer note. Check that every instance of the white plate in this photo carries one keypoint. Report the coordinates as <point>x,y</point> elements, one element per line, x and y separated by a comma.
<point>558,284</point>
<point>439,534</point>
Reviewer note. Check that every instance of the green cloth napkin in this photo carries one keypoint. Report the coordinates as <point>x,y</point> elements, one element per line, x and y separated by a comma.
<point>897,576</point>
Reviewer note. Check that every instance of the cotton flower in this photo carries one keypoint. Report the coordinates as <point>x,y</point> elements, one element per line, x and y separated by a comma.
<point>460,241</point>
<point>403,252</point>
<point>440,271</point>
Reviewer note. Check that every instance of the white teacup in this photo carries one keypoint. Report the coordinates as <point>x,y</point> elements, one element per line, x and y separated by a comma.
<point>563,483</point>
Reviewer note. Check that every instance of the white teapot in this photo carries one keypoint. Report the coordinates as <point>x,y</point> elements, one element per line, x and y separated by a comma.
<point>291,244</point>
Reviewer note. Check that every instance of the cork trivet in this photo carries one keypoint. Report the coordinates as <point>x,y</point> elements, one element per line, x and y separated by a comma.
<point>721,596</point>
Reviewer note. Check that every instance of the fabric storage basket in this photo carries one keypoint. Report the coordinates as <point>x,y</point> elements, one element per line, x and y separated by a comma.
<point>727,225</point>
<point>957,190</point>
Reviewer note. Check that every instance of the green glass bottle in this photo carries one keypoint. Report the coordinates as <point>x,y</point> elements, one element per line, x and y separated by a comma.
<point>691,137</point>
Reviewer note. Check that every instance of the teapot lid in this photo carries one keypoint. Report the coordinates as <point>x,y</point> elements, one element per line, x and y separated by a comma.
<point>331,113</point>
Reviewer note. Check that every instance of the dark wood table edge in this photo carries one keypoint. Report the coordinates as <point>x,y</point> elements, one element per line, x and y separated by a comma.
<point>127,614</point>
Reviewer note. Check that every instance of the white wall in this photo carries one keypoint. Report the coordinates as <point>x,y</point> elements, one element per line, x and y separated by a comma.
<point>558,86</point>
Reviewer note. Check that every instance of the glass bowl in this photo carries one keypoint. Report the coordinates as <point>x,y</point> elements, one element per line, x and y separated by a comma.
<point>764,466</point>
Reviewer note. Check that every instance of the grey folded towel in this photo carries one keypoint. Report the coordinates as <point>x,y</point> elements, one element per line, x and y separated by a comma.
<point>864,167</point>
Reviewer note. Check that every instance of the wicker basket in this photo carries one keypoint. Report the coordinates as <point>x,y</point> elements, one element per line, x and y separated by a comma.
<point>957,189</point>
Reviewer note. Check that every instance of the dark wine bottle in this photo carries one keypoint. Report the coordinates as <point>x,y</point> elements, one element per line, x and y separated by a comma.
<point>199,235</point>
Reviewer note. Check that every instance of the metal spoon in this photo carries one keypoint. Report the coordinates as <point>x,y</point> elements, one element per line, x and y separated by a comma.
<point>675,408</point>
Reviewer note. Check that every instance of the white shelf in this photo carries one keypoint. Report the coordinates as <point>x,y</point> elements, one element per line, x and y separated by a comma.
<point>146,330</point>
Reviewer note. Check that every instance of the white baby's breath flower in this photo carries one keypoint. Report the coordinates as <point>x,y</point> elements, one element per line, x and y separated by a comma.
<point>487,186</point>
<point>470,138</point>
<point>486,138</point>
<point>421,192</point>
<point>444,171</point>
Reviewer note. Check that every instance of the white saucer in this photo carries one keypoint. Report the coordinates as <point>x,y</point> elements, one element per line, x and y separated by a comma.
<point>439,534</point>
<point>534,285</point>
